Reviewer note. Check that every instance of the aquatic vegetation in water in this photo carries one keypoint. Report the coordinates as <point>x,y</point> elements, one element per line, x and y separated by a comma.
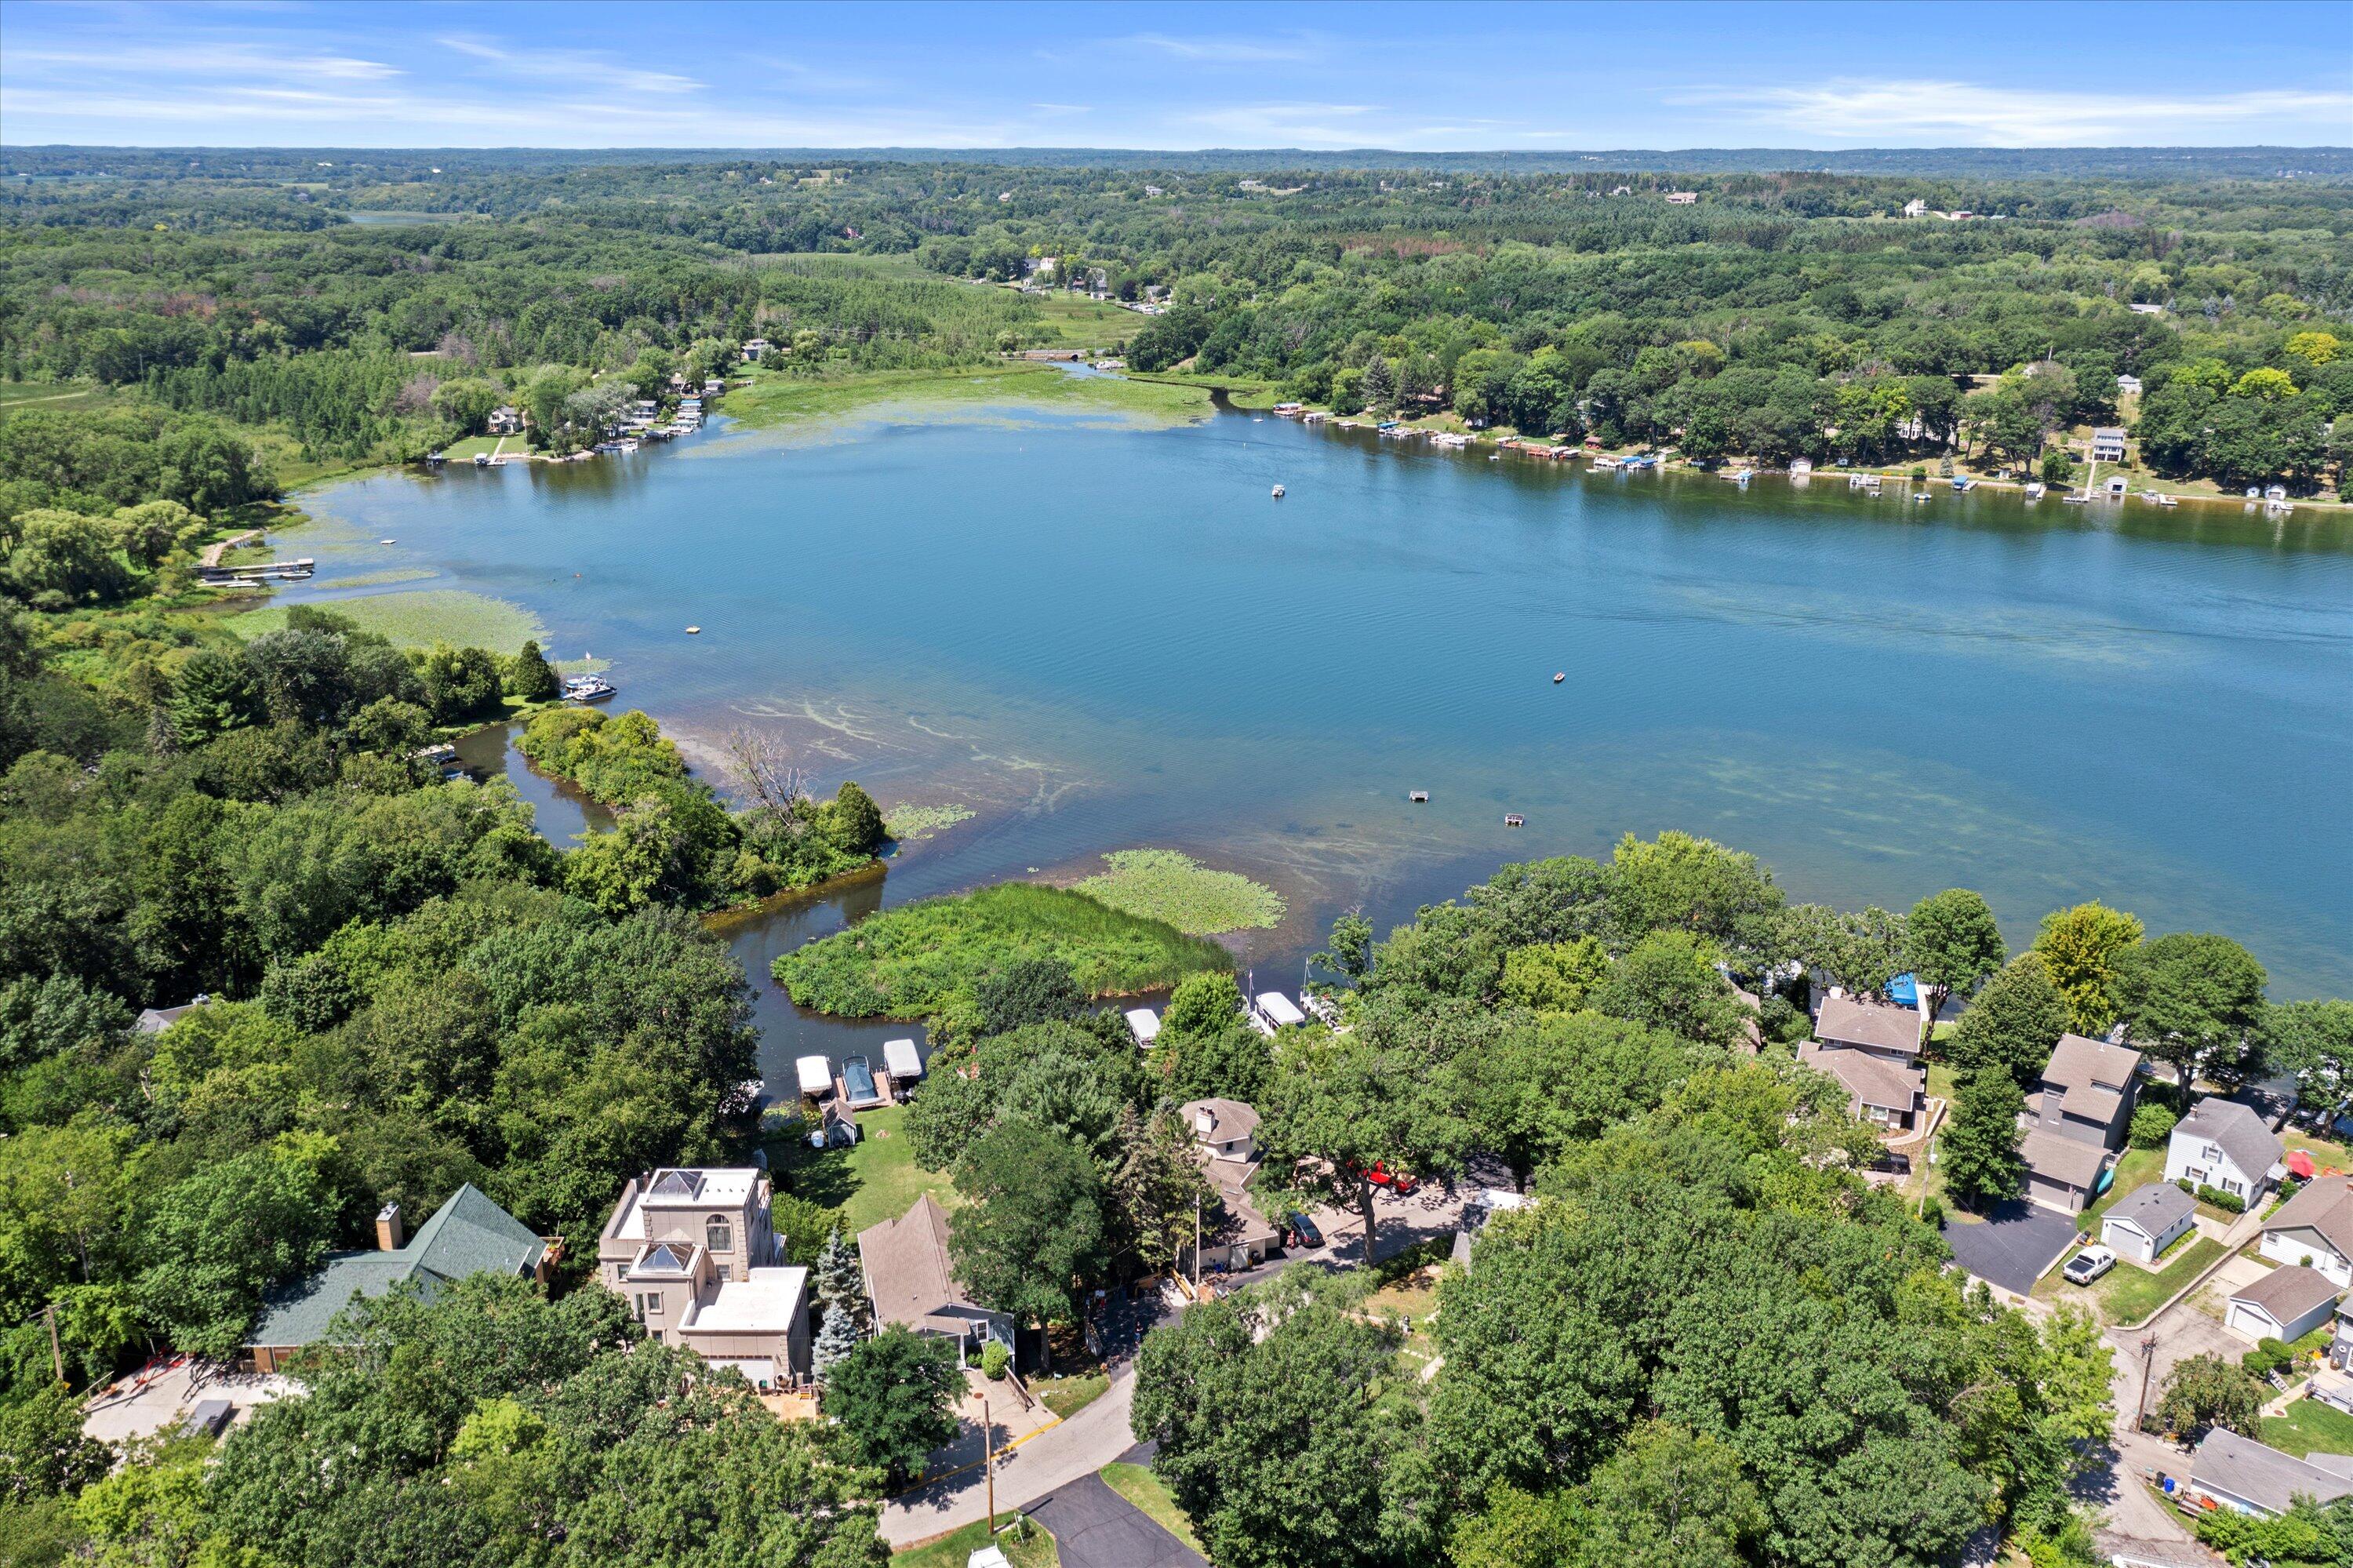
<point>909,823</point>
<point>418,619</point>
<point>1162,885</point>
<point>923,960</point>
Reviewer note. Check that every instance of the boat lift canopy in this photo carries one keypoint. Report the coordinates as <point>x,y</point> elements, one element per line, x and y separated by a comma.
<point>901,1060</point>
<point>816,1076</point>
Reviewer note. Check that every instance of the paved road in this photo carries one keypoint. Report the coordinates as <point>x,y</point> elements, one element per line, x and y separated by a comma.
<point>1094,1527</point>
<point>1052,1459</point>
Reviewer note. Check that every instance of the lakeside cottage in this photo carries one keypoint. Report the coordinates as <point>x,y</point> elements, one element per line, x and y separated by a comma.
<point>910,1282</point>
<point>2223,1145</point>
<point>467,1234</point>
<point>692,1251</point>
<point>2315,1228</point>
<point>1237,1235</point>
<point>2108,444</point>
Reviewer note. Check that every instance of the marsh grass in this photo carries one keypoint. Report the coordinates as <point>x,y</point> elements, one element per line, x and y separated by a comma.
<point>924,958</point>
<point>1162,885</point>
<point>908,823</point>
<point>775,399</point>
<point>418,619</point>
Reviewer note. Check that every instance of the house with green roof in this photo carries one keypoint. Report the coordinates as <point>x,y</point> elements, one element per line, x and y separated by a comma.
<point>466,1235</point>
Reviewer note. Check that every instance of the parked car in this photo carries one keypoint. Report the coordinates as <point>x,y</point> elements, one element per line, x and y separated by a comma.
<point>1303,1234</point>
<point>2089,1264</point>
<point>1887,1162</point>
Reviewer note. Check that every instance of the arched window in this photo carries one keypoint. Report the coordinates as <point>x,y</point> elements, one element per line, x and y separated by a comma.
<point>718,1234</point>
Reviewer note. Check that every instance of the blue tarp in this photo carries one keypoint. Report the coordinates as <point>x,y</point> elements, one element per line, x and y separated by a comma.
<point>1904,991</point>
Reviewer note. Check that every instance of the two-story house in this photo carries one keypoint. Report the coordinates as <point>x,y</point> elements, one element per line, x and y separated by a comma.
<point>1237,1235</point>
<point>911,1279</point>
<point>1883,1029</point>
<point>2076,1120</point>
<point>692,1252</point>
<point>1887,1094</point>
<point>2223,1145</point>
<point>2316,1226</point>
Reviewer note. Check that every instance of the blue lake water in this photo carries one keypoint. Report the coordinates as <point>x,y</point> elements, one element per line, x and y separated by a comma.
<point>1097,635</point>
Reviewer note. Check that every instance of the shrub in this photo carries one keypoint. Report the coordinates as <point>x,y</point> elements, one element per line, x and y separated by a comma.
<point>2152,1126</point>
<point>2289,1186</point>
<point>2229,1202</point>
<point>993,1359</point>
<point>1932,1211</point>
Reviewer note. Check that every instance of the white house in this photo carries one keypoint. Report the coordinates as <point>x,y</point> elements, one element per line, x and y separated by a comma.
<point>2239,1473</point>
<point>2144,1222</point>
<point>2316,1226</point>
<point>2223,1145</point>
<point>2108,444</point>
<point>2284,1304</point>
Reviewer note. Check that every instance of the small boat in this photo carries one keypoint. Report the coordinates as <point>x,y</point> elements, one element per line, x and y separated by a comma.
<point>858,1081</point>
<point>1278,492</point>
<point>388,541</point>
<point>1922,498</point>
<point>816,1076</point>
<point>586,688</point>
<point>694,632</point>
<point>1558,676</point>
<point>481,459</point>
<point>2072,499</point>
<point>1419,797</point>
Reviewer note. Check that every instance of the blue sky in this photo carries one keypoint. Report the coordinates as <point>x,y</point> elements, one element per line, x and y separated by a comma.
<point>1426,77</point>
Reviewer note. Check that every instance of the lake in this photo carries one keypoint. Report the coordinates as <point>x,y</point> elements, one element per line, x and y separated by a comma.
<point>1096,634</point>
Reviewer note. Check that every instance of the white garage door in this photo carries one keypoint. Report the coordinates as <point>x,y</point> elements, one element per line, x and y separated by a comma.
<point>2250,1322</point>
<point>755,1372</point>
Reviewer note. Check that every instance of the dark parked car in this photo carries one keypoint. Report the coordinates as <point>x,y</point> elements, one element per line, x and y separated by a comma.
<point>1887,1162</point>
<point>1303,1234</point>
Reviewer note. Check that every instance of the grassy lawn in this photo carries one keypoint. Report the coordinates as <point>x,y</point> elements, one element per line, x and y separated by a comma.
<point>2324,1152</point>
<point>2309,1424</point>
<point>915,395</point>
<point>2138,1168</point>
<point>1139,1486</point>
<point>922,959</point>
<point>1066,1396</point>
<point>2128,1294</point>
<point>1162,884</point>
<point>956,1549</point>
<point>1076,322</point>
<point>419,619</point>
<point>464,450</point>
<point>874,1180</point>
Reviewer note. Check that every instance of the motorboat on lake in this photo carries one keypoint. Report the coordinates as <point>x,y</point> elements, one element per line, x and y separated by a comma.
<point>587,688</point>
<point>858,1084</point>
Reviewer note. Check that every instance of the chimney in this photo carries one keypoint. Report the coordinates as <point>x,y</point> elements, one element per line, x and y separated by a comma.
<point>1205,1122</point>
<point>389,1234</point>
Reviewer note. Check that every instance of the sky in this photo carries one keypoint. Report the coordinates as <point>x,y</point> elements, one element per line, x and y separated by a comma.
<point>1421,77</point>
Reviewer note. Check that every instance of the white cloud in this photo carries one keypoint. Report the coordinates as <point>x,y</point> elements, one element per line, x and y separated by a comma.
<point>572,66</point>
<point>1284,124</point>
<point>205,60</point>
<point>1884,113</point>
<point>1230,50</point>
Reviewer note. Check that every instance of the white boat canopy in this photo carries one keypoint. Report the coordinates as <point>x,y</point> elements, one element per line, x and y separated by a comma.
<point>1279,1009</point>
<point>901,1058</point>
<point>816,1074</point>
<point>1143,1023</point>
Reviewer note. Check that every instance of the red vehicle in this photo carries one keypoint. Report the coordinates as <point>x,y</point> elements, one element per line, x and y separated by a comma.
<point>1401,1182</point>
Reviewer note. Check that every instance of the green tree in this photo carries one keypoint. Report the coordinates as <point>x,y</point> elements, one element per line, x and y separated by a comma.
<point>223,1236</point>
<point>1158,1188</point>
<point>1671,1499</point>
<point>1669,981</point>
<point>1347,1103</point>
<point>1681,883</point>
<point>1979,1147</point>
<point>2080,947</point>
<point>2192,998</point>
<point>43,1450</point>
<point>1040,990</point>
<point>461,683</point>
<point>1952,944</point>
<point>1555,977</point>
<point>856,819</point>
<point>895,1395</point>
<point>1275,1437</point>
<point>2206,1390</point>
<point>1350,955</point>
<point>1035,1233</point>
<point>2313,1040</point>
<point>2014,1024</point>
<point>530,677</point>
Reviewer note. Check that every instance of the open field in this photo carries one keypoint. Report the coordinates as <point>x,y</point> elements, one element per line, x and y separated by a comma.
<point>1076,322</point>
<point>1162,884</point>
<point>420,619</point>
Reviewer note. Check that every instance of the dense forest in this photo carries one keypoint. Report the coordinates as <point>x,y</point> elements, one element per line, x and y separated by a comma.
<point>1709,1330</point>
<point>1766,314</point>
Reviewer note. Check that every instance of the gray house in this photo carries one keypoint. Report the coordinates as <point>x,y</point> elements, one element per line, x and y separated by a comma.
<point>1880,1028</point>
<point>2239,1473</point>
<point>910,1281</point>
<point>2088,1090</point>
<point>1889,1095</point>
<point>1235,1235</point>
<point>2147,1221</point>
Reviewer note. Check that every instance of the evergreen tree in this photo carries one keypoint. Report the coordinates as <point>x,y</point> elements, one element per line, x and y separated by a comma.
<point>530,676</point>
<point>1981,1145</point>
<point>1380,390</point>
<point>856,819</point>
<point>835,1342</point>
<point>839,1283</point>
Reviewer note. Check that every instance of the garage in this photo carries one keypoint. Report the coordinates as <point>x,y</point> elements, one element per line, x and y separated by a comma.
<point>2285,1303</point>
<point>2147,1219</point>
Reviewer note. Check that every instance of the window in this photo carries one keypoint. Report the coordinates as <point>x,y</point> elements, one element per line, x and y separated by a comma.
<point>650,1304</point>
<point>718,1234</point>
<point>2210,1154</point>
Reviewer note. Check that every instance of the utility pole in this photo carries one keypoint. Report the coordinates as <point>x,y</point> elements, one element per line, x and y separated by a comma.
<point>988,1443</point>
<point>2148,1355</point>
<point>1196,1246</point>
<point>56,1357</point>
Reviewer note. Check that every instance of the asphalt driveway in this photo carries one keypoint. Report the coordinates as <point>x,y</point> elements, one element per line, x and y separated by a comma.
<point>1094,1527</point>
<point>2012,1247</point>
